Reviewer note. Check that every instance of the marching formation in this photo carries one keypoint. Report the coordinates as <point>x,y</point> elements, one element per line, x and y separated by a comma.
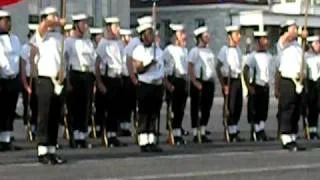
<point>102,86</point>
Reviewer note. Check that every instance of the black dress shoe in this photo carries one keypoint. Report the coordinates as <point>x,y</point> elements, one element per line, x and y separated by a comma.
<point>196,139</point>
<point>115,142</point>
<point>45,159</point>
<point>4,146</point>
<point>293,147</point>
<point>262,136</point>
<point>178,140</point>
<point>145,148</point>
<point>208,132</point>
<point>154,148</point>
<point>205,139</point>
<point>236,138</point>
<point>125,133</point>
<point>82,144</point>
<point>55,159</point>
<point>314,136</point>
<point>184,132</point>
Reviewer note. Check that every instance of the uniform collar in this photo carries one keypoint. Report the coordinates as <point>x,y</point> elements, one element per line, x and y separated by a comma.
<point>4,33</point>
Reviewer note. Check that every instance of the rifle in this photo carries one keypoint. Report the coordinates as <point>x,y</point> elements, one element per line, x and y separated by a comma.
<point>154,27</point>
<point>199,111</point>
<point>254,134</point>
<point>305,120</point>
<point>104,132</point>
<point>135,123</point>
<point>169,120</point>
<point>226,113</point>
<point>29,128</point>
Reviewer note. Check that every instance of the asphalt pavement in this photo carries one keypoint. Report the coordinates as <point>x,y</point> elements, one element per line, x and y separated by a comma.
<point>217,160</point>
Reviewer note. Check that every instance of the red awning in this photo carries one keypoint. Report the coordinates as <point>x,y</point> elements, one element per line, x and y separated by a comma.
<point>8,2</point>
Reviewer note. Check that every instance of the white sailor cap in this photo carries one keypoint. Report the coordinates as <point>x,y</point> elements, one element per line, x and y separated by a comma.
<point>176,27</point>
<point>33,27</point>
<point>313,38</point>
<point>143,27</point>
<point>111,20</point>
<point>288,22</point>
<point>96,31</point>
<point>68,27</point>
<point>126,32</point>
<point>79,17</point>
<point>200,30</point>
<point>232,28</point>
<point>260,33</point>
<point>48,10</point>
<point>145,20</point>
<point>4,13</point>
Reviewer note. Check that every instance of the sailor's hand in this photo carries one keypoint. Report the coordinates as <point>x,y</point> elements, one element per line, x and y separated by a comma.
<point>276,93</point>
<point>198,85</point>
<point>170,87</point>
<point>251,90</point>
<point>225,90</point>
<point>28,89</point>
<point>69,86</point>
<point>62,22</point>
<point>304,34</point>
<point>101,87</point>
<point>134,80</point>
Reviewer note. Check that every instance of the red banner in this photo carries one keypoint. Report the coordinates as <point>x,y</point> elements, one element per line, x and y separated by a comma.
<point>8,2</point>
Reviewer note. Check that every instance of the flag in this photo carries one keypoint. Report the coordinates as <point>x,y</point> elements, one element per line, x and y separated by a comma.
<point>8,2</point>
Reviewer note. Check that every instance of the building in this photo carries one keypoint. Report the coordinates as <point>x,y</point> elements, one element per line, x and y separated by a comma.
<point>251,14</point>
<point>28,12</point>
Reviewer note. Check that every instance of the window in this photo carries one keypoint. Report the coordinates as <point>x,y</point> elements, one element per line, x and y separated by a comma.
<point>33,19</point>
<point>166,31</point>
<point>200,22</point>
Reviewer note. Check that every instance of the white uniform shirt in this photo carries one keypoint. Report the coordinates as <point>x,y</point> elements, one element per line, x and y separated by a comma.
<point>175,60</point>
<point>111,53</point>
<point>313,65</point>
<point>261,61</point>
<point>145,55</point>
<point>49,58</point>
<point>132,45</point>
<point>289,59</point>
<point>25,55</point>
<point>10,48</point>
<point>205,59</point>
<point>80,53</point>
<point>230,57</point>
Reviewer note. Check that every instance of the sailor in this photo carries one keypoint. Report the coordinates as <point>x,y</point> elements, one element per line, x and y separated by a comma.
<point>175,58</point>
<point>313,85</point>
<point>10,48</point>
<point>259,62</point>
<point>97,107</point>
<point>80,55</point>
<point>134,42</point>
<point>128,89</point>
<point>147,60</point>
<point>29,98</point>
<point>46,61</point>
<point>110,52</point>
<point>202,73</point>
<point>230,65</point>
<point>287,84</point>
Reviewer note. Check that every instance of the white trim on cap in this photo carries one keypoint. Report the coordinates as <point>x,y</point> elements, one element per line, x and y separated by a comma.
<point>96,31</point>
<point>313,38</point>
<point>33,27</point>
<point>143,27</point>
<point>4,13</point>
<point>126,32</point>
<point>260,33</point>
<point>109,20</point>
<point>68,27</point>
<point>48,10</point>
<point>288,22</point>
<point>232,28</point>
<point>78,17</point>
<point>145,20</point>
<point>176,27</point>
<point>200,30</point>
